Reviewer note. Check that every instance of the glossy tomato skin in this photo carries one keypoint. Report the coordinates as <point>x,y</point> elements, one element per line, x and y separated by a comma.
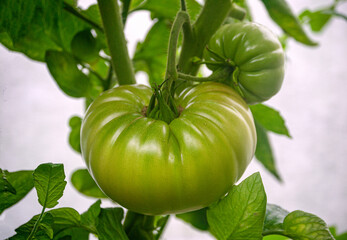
<point>257,54</point>
<point>152,167</point>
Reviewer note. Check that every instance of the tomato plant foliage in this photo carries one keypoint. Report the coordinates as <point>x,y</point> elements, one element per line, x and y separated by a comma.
<point>178,147</point>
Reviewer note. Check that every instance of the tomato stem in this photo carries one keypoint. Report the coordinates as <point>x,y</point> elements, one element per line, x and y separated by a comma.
<point>211,17</point>
<point>125,10</point>
<point>183,5</point>
<point>139,226</point>
<point>171,71</point>
<point>113,28</point>
<point>237,12</point>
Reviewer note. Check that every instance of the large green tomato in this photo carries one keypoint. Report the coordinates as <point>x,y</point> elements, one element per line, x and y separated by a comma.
<point>256,55</point>
<point>152,167</point>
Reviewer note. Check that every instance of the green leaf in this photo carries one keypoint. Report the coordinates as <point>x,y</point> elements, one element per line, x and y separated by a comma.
<point>317,19</point>
<point>17,17</point>
<point>34,45</point>
<point>33,27</point>
<point>270,119</point>
<point>274,218</point>
<point>99,79</point>
<point>263,151</point>
<point>44,230</point>
<point>89,218</point>
<point>166,8</point>
<point>60,25</point>
<point>64,223</point>
<point>73,233</point>
<point>74,137</point>
<point>297,225</point>
<point>49,181</point>
<point>5,185</point>
<point>197,218</point>
<point>275,237</point>
<point>240,215</point>
<point>342,236</point>
<point>65,218</point>
<point>85,184</point>
<point>282,14</point>
<point>109,224</point>
<point>150,55</point>
<point>21,181</point>
<point>84,46</point>
<point>67,224</point>
<point>63,68</point>
<point>305,226</point>
<point>91,15</point>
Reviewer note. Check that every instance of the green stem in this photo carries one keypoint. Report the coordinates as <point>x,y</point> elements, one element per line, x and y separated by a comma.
<point>33,232</point>
<point>171,71</point>
<point>108,83</point>
<point>210,19</point>
<point>125,10</point>
<point>237,12</point>
<point>337,14</point>
<point>92,71</point>
<point>130,219</point>
<point>113,28</point>
<point>135,224</point>
<point>161,230</point>
<point>148,222</point>
<point>183,5</point>
<point>73,11</point>
<point>219,75</point>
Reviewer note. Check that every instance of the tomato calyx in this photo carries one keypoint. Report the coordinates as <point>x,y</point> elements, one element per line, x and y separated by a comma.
<point>161,108</point>
<point>221,60</point>
<point>227,63</point>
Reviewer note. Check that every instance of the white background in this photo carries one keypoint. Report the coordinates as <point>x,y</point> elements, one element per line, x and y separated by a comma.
<point>34,116</point>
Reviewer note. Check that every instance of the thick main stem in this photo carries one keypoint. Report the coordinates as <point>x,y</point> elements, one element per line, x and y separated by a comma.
<point>113,27</point>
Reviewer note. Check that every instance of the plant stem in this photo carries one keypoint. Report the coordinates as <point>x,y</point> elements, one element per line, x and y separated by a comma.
<point>125,10</point>
<point>73,11</point>
<point>113,28</point>
<point>237,12</point>
<point>108,83</point>
<point>161,230</point>
<point>130,219</point>
<point>33,232</point>
<point>171,71</point>
<point>183,5</point>
<point>209,20</point>
<point>136,224</point>
<point>217,76</point>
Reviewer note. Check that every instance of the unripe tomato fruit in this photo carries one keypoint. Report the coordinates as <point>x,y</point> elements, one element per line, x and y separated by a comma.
<point>152,167</point>
<point>256,54</point>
